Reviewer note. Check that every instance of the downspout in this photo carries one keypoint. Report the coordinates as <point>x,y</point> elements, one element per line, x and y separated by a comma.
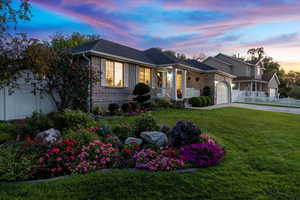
<point>90,84</point>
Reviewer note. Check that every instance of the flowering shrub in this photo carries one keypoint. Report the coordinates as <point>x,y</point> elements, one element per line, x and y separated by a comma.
<point>154,161</point>
<point>95,156</point>
<point>127,152</point>
<point>203,155</point>
<point>57,160</point>
<point>184,133</point>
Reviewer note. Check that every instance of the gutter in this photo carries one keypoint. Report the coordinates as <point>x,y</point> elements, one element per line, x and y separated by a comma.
<point>90,84</point>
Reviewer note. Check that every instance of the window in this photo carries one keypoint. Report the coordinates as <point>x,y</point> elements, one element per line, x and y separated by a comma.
<point>114,74</point>
<point>145,75</point>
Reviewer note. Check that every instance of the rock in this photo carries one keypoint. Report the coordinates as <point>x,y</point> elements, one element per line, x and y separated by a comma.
<point>49,136</point>
<point>133,139</point>
<point>155,137</point>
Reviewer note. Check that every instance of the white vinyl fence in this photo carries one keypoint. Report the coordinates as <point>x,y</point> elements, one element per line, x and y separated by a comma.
<point>269,101</point>
<point>22,103</point>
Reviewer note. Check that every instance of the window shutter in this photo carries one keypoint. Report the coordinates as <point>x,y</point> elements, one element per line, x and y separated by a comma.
<point>126,75</point>
<point>103,71</point>
<point>137,79</point>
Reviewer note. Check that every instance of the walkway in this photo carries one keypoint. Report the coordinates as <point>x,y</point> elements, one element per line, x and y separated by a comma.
<point>255,107</point>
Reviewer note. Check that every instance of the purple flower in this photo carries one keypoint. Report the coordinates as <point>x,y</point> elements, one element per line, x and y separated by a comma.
<point>202,155</point>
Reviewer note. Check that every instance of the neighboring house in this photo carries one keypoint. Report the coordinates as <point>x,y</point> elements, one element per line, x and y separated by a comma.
<point>250,77</point>
<point>123,67</point>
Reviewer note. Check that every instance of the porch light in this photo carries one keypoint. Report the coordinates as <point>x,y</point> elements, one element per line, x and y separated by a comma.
<point>216,82</point>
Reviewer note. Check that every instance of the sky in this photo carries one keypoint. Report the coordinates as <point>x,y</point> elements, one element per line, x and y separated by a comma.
<point>186,26</point>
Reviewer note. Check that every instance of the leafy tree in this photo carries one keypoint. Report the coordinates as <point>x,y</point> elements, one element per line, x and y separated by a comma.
<point>55,71</point>
<point>256,53</point>
<point>295,92</point>
<point>10,14</point>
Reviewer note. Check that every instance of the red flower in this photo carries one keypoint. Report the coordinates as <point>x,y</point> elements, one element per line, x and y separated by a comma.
<point>55,150</point>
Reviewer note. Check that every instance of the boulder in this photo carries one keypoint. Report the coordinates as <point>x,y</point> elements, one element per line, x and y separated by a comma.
<point>49,136</point>
<point>133,139</point>
<point>155,137</point>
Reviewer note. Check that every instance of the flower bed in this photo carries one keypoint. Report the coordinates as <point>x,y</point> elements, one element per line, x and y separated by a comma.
<point>100,148</point>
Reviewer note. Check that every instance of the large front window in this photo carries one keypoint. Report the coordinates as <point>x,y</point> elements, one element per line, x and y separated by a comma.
<point>114,74</point>
<point>145,75</point>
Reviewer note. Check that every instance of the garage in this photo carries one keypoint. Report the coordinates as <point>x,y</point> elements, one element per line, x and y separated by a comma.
<point>223,94</point>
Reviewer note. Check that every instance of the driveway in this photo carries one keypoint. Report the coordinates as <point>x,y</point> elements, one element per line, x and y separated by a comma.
<point>255,107</point>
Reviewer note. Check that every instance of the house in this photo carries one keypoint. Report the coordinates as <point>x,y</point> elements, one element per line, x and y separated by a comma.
<point>122,67</point>
<point>250,77</point>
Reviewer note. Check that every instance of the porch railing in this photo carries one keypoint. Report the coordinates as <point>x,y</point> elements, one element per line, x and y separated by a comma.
<point>192,92</point>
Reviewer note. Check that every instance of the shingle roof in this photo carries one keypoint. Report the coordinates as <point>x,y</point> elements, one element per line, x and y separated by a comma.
<point>152,56</point>
<point>113,48</point>
<point>197,64</point>
<point>219,56</point>
<point>160,58</point>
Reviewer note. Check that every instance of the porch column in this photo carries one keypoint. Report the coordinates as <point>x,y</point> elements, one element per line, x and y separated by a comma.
<point>251,86</point>
<point>239,86</point>
<point>174,91</point>
<point>255,86</point>
<point>184,84</point>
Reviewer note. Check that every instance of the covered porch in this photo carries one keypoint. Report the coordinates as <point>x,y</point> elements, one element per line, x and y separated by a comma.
<point>172,82</point>
<point>251,88</point>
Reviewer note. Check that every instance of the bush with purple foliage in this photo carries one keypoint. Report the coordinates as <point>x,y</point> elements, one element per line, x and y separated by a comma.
<point>184,133</point>
<point>203,155</point>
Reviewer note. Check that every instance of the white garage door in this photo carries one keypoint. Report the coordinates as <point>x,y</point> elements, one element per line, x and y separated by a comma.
<point>222,93</point>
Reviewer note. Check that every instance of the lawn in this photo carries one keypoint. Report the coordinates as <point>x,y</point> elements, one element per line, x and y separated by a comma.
<point>262,162</point>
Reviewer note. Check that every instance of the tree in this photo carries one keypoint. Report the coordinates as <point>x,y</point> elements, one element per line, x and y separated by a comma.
<point>295,92</point>
<point>56,72</point>
<point>200,57</point>
<point>256,53</point>
<point>10,14</point>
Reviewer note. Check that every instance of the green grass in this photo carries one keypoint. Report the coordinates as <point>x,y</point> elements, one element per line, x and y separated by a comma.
<point>262,162</point>
<point>273,105</point>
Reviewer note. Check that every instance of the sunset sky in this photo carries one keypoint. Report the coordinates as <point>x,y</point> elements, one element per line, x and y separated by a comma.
<point>185,26</point>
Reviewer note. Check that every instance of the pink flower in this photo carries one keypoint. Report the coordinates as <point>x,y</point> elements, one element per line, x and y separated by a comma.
<point>41,159</point>
<point>58,159</point>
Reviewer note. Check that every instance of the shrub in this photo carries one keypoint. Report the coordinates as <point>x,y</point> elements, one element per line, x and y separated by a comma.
<point>123,131</point>
<point>98,110</point>
<point>9,128</point>
<point>72,119</point>
<point>209,100</point>
<point>204,101</point>
<point>164,103</point>
<point>195,101</point>
<point>81,136</point>
<point>14,164</point>
<point>184,133</point>
<point>113,108</point>
<point>38,122</point>
<point>126,107</point>
<point>141,91</point>
<point>134,106</point>
<point>145,122</point>
<point>101,129</point>
<point>57,160</point>
<point>4,137</point>
<point>203,154</point>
